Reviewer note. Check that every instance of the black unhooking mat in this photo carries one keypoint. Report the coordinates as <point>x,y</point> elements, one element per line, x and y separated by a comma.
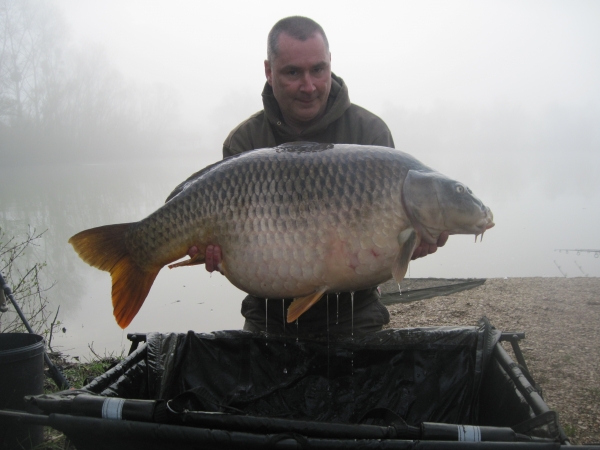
<point>235,389</point>
<point>420,375</point>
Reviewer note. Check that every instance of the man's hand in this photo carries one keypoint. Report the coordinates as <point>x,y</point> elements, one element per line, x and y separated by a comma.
<point>424,249</point>
<point>212,260</point>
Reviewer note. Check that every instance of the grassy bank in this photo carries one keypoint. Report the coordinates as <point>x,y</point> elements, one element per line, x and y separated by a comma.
<point>78,373</point>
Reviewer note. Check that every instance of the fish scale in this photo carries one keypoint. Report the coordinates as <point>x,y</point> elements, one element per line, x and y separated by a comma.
<point>262,180</point>
<point>296,221</point>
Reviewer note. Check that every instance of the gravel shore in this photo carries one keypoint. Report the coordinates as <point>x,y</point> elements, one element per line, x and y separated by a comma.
<point>560,318</point>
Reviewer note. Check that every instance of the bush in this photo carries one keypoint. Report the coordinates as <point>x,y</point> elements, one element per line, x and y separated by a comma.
<point>22,275</point>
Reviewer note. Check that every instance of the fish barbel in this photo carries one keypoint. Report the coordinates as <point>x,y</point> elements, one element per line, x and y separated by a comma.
<point>295,221</point>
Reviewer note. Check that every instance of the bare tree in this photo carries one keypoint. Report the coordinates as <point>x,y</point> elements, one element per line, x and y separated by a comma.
<point>32,34</point>
<point>60,101</point>
<point>23,276</point>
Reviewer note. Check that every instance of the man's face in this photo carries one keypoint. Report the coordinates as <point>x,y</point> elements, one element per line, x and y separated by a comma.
<point>300,75</point>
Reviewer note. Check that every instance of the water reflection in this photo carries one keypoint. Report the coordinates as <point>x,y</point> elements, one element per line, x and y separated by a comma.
<point>65,199</point>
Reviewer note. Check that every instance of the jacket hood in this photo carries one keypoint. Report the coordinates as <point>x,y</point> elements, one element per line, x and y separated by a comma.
<point>337,103</point>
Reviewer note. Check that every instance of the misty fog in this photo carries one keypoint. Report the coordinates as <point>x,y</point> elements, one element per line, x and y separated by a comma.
<point>107,106</point>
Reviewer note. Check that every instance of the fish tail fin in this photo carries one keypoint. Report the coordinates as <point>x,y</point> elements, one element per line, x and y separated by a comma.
<point>130,287</point>
<point>101,247</point>
<point>104,248</point>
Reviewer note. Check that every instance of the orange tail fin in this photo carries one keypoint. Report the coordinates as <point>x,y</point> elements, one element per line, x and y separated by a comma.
<point>104,248</point>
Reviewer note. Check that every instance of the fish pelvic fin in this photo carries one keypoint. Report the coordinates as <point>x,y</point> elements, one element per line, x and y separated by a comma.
<point>408,240</point>
<point>302,304</point>
<point>104,248</point>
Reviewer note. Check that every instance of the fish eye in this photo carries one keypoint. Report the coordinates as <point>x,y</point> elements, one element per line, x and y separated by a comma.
<point>460,189</point>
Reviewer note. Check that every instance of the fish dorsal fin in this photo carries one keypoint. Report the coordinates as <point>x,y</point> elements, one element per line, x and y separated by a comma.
<point>408,240</point>
<point>302,304</point>
<point>302,147</point>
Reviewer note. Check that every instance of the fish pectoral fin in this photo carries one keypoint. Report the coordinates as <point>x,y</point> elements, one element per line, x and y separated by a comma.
<point>302,304</point>
<point>408,242</point>
<point>198,258</point>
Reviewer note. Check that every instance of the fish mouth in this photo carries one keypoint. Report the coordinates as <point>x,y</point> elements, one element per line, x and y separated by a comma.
<point>490,218</point>
<point>484,224</point>
<point>478,228</point>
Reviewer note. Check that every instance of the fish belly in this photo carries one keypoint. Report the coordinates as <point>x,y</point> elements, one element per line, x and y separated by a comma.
<point>296,226</point>
<point>340,259</point>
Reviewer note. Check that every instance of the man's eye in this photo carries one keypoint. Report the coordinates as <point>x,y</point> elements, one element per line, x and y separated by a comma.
<point>292,72</point>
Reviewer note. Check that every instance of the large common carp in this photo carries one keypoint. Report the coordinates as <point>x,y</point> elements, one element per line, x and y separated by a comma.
<point>295,221</point>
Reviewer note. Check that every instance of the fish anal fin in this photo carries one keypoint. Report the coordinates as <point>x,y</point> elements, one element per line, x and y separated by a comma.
<point>130,287</point>
<point>408,242</point>
<point>302,304</point>
<point>198,258</point>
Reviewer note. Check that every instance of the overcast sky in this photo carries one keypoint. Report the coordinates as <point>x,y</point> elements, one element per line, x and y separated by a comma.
<point>412,53</point>
<point>477,89</point>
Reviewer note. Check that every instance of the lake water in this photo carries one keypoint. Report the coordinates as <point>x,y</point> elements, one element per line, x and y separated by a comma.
<point>65,199</point>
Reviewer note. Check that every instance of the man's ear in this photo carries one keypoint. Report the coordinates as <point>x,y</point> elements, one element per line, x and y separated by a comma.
<point>268,72</point>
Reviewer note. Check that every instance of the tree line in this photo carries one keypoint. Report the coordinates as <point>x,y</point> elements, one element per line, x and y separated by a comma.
<point>65,102</point>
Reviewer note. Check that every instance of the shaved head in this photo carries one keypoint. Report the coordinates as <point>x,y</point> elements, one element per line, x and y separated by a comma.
<point>298,27</point>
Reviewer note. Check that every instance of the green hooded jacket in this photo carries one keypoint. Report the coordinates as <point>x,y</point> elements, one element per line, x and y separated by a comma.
<point>342,123</point>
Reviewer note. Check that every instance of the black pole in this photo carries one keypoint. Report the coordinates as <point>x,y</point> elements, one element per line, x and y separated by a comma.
<point>55,374</point>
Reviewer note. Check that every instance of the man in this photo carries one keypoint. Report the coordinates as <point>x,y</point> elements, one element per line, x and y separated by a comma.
<point>304,101</point>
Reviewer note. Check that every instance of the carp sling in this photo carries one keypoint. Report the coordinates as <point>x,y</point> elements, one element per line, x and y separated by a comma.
<point>296,221</point>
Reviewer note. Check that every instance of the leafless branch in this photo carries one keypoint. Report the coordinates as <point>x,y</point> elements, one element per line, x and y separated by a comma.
<point>52,325</point>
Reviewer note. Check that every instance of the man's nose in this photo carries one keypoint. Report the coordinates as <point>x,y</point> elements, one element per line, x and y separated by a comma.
<point>308,84</point>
